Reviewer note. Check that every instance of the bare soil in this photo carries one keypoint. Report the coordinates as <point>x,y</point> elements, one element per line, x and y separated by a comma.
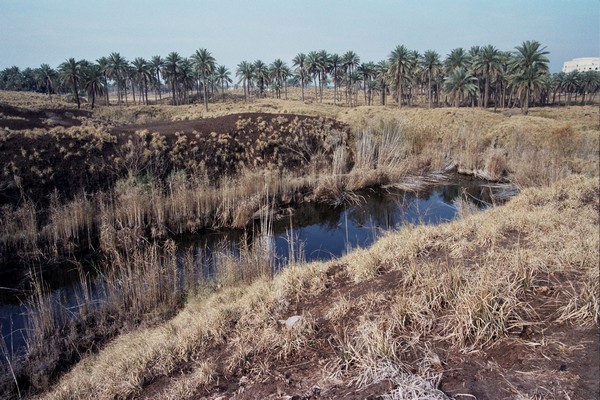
<point>16,118</point>
<point>542,361</point>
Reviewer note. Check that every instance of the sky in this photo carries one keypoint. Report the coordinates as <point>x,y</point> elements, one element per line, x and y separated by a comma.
<point>33,32</point>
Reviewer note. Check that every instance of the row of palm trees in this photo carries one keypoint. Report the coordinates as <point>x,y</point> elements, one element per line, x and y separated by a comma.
<point>181,74</point>
<point>481,76</point>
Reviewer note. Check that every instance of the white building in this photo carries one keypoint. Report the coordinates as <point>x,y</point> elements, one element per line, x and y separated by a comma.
<point>582,64</point>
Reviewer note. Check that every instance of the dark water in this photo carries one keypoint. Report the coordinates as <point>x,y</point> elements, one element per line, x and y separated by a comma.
<point>322,232</point>
<point>318,232</point>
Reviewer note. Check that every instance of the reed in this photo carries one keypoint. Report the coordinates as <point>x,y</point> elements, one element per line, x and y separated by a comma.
<point>464,286</point>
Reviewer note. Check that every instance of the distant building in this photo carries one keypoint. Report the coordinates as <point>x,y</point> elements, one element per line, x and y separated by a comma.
<point>582,64</point>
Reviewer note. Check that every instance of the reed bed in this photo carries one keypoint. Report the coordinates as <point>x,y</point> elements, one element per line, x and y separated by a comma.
<point>461,287</point>
<point>141,285</point>
<point>473,304</point>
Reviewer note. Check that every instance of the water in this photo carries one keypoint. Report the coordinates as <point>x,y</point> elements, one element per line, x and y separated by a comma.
<point>324,232</point>
<point>319,231</point>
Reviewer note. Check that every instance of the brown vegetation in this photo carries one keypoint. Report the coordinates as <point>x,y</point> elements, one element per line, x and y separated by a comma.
<point>440,309</point>
<point>380,320</point>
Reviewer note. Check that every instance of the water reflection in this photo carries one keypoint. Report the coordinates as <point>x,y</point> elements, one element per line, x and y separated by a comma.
<point>316,231</point>
<point>325,232</point>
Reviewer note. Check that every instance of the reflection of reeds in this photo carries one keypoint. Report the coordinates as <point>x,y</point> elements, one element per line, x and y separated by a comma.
<point>460,287</point>
<point>381,153</point>
<point>138,283</point>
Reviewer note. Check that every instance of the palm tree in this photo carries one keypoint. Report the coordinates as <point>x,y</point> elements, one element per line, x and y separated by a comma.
<point>531,62</point>
<point>186,78</point>
<point>382,73</point>
<point>350,60</point>
<point>487,62</point>
<point>456,59</point>
<point>171,69</point>
<point>205,64</point>
<point>401,63</point>
<point>431,66</point>
<point>142,73</point>
<point>312,65</point>
<point>70,73</point>
<point>46,76</point>
<point>506,65</point>
<point>223,78</point>
<point>301,69</point>
<point>529,54</point>
<point>245,71</point>
<point>527,83</point>
<point>116,70</point>
<point>460,84</point>
<point>103,63</point>
<point>590,80</point>
<point>279,73</point>
<point>94,82</point>
<point>570,84</point>
<point>261,75</point>
<point>323,66</point>
<point>157,64</point>
<point>335,62</point>
<point>367,70</point>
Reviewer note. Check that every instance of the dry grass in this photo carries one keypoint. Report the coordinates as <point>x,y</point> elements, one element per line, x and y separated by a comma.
<point>388,145</point>
<point>466,283</point>
<point>474,295</point>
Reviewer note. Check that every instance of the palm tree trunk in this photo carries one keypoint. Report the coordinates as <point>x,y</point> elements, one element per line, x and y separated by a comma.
<point>76,93</point>
<point>198,86</point>
<point>205,95</point>
<point>334,85</point>
<point>158,85</point>
<point>173,83</point>
<point>132,91</point>
<point>126,99</point>
<point>487,92</point>
<point>429,86</point>
<point>400,92</point>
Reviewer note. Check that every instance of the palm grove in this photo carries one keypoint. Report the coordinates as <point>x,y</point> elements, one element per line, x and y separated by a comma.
<point>478,77</point>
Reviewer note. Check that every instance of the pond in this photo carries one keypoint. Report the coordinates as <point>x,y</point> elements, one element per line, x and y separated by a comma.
<point>311,231</point>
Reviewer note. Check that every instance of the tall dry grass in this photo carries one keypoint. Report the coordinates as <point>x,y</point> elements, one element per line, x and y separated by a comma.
<point>137,285</point>
<point>476,306</point>
<point>465,285</point>
<point>387,146</point>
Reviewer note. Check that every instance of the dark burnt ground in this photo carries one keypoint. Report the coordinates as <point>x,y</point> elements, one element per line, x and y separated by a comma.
<point>87,159</point>
<point>18,118</point>
<point>225,145</point>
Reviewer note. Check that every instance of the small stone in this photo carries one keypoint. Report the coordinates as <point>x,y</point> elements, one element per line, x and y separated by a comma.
<point>291,322</point>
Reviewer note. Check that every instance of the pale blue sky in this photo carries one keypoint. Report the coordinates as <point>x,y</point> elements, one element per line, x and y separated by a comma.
<point>33,32</point>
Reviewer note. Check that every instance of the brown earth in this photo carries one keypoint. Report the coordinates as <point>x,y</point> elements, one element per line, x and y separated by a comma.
<point>544,360</point>
<point>20,118</point>
<point>91,157</point>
